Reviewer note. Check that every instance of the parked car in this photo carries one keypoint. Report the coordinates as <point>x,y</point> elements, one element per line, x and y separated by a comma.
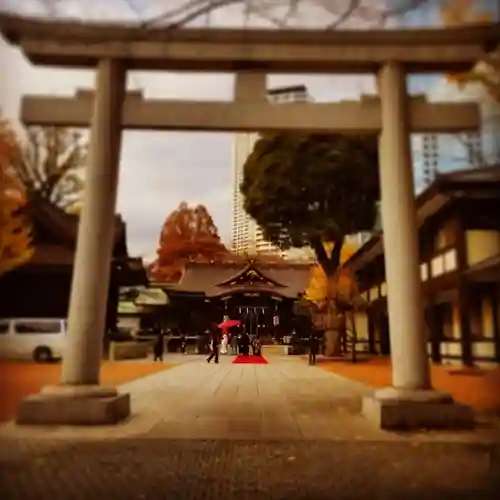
<point>40,339</point>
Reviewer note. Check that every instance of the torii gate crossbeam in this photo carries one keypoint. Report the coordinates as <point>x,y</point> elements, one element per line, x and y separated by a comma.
<point>411,402</point>
<point>73,44</point>
<point>346,117</point>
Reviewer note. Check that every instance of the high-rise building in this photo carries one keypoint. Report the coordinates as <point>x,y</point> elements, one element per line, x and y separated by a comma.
<point>246,235</point>
<point>447,153</point>
<point>434,153</point>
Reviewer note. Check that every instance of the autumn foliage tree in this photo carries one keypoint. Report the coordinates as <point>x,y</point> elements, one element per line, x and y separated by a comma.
<point>188,235</point>
<point>15,231</point>
<point>335,299</point>
<point>486,72</point>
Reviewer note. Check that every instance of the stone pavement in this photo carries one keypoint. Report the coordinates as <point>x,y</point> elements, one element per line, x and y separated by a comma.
<point>246,470</point>
<point>283,430</point>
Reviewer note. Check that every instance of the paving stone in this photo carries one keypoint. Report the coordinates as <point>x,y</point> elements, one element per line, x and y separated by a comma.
<point>204,470</point>
<point>277,431</point>
<point>195,400</point>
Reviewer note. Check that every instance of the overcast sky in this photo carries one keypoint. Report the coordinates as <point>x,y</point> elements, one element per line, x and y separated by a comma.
<point>159,170</point>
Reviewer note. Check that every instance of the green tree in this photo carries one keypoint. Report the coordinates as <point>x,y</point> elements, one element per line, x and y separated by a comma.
<point>305,190</point>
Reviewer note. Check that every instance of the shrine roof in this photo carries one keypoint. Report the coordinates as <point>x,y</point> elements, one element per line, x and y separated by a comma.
<point>55,233</point>
<point>213,280</point>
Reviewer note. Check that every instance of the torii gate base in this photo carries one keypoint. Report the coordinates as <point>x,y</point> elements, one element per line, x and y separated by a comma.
<point>80,399</point>
<point>407,410</point>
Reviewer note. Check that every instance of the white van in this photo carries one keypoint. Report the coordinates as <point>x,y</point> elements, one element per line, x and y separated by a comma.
<point>40,339</point>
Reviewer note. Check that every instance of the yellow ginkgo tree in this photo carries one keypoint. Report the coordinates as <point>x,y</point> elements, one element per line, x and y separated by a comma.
<point>455,13</point>
<point>336,299</point>
<point>486,72</point>
<point>15,231</point>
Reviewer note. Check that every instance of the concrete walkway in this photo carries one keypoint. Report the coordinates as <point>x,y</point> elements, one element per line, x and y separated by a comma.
<point>283,431</point>
<point>284,400</point>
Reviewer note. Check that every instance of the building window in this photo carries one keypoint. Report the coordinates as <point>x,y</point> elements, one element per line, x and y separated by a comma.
<point>30,327</point>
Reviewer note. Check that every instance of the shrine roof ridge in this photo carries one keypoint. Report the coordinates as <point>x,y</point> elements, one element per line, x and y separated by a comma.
<point>15,27</point>
<point>244,264</point>
<point>211,280</point>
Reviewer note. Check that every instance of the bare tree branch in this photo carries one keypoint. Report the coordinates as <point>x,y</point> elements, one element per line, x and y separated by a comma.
<point>351,8</point>
<point>49,163</point>
<point>194,9</point>
<point>191,10</point>
<point>414,5</point>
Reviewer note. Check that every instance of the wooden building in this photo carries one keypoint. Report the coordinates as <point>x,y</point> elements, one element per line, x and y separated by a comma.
<point>140,307</point>
<point>41,288</point>
<point>261,295</point>
<point>459,235</point>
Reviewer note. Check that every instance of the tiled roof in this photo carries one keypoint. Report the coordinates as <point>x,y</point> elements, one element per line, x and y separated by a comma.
<point>484,175</point>
<point>51,221</point>
<point>288,280</point>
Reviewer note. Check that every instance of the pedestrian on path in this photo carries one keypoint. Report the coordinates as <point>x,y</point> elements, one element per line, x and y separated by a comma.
<point>313,348</point>
<point>183,343</point>
<point>223,344</point>
<point>257,347</point>
<point>214,344</point>
<point>159,347</point>
<point>244,345</point>
<point>234,343</point>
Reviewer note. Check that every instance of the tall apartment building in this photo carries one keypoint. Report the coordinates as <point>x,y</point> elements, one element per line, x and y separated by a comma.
<point>434,153</point>
<point>447,153</point>
<point>246,235</point>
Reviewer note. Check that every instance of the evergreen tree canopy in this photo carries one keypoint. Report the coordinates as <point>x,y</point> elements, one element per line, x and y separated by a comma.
<point>308,189</point>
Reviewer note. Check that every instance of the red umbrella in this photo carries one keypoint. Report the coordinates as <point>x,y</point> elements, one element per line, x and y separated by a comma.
<point>229,323</point>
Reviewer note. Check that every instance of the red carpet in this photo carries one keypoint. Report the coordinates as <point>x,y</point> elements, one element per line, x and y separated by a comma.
<point>250,360</point>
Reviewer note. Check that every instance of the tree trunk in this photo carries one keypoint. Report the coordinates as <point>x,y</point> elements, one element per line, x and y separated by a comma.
<point>354,336</point>
<point>333,342</point>
<point>333,334</point>
<point>328,264</point>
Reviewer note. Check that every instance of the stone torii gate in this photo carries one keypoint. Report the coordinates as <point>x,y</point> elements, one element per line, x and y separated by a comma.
<point>112,50</point>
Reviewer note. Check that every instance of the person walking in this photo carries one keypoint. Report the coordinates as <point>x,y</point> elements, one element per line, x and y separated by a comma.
<point>234,343</point>
<point>313,348</point>
<point>257,347</point>
<point>223,343</point>
<point>244,347</point>
<point>159,347</point>
<point>214,343</point>
<point>183,343</point>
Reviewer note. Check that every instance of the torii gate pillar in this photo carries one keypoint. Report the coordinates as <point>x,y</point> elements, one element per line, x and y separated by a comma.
<point>410,402</point>
<point>79,399</point>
